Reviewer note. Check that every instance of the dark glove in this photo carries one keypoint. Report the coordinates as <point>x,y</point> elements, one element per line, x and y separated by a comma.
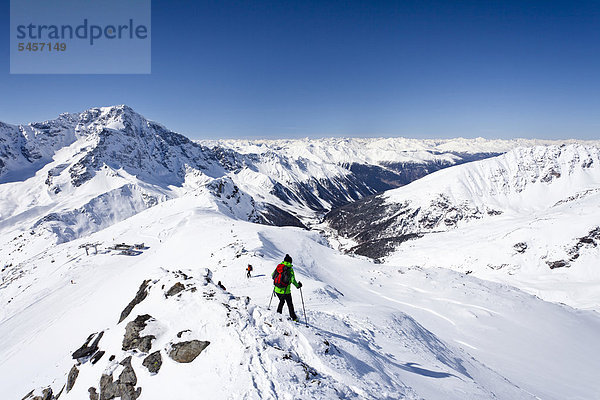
<point>299,285</point>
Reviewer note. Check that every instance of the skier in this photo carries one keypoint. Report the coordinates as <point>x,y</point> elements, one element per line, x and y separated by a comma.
<point>248,269</point>
<point>283,277</point>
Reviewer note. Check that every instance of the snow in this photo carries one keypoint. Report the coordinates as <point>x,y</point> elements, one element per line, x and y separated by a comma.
<point>393,331</point>
<point>548,201</point>
<point>416,327</point>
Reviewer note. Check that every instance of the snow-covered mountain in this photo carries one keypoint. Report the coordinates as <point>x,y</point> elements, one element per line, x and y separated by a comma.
<point>158,325</point>
<point>77,174</point>
<point>377,164</point>
<point>527,214</point>
<point>177,318</point>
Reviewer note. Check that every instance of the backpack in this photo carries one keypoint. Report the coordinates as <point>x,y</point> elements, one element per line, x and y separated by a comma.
<point>282,276</point>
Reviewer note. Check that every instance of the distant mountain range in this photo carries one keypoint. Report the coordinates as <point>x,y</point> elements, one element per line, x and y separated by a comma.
<point>66,178</point>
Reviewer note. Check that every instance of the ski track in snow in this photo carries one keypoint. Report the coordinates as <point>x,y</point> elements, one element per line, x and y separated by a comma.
<point>414,306</point>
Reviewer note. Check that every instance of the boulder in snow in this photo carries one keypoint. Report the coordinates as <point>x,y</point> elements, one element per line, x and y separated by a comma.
<point>186,352</point>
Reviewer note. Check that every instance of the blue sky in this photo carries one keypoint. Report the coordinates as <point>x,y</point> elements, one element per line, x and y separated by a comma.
<point>249,69</point>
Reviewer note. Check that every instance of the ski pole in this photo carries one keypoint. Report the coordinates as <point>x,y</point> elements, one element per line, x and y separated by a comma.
<point>303,309</point>
<point>268,308</point>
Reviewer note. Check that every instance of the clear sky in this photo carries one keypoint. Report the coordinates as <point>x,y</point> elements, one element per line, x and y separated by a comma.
<point>252,69</point>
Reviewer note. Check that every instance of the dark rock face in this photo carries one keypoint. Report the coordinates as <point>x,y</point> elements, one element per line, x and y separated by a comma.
<point>72,377</point>
<point>520,247</point>
<point>124,387</point>
<point>97,356</point>
<point>278,217</point>
<point>379,248</point>
<point>153,362</point>
<point>186,352</point>
<point>337,192</point>
<point>93,393</point>
<point>380,226</point>
<point>139,296</point>
<point>372,224</point>
<point>179,334</point>
<point>59,393</point>
<point>132,339</point>
<point>176,288</point>
<point>557,264</point>
<point>46,395</point>
<point>86,349</point>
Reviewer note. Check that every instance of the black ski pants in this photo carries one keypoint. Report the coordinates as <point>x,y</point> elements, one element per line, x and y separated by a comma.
<point>286,298</point>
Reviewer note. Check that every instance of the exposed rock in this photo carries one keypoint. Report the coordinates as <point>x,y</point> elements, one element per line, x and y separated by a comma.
<point>46,394</point>
<point>185,352</point>
<point>93,393</point>
<point>520,247</point>
<point>59,393</point>
<point>124,387</point>
<point>107,387</point>
<point>153,362</point>
<point>72,377</point>
<point>176,288</point>
<point>382,247</point>
<point>127,375</point>
<point>276,216</point>
<point>207,274</point>
<point>139,296</point>
<point>28,395</point>
<point>557,264</point>
<point>86,349</point>
<point>132,339</point>
<point>97,356</point>
<point>182,332</point>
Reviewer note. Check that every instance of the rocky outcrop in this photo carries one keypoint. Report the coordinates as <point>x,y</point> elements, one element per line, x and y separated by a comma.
<point>123,387</point>
<point>139,296</point>
<point>97,357</point>
<point>153,362</point>
<point>186,352</point>
<point>46,395</point>
<point>520,247</point>
<point>72,377</point>
<point>590,240</point>
<point>176,288</point>
<point>132,339</point>
<point>88,349</point>
<point>557,264</point>
<point>93,393</point>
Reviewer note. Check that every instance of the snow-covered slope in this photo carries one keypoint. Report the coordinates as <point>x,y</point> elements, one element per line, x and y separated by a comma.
<point>527,214</point>
<point>374,331</point>
<point>155,323</point>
